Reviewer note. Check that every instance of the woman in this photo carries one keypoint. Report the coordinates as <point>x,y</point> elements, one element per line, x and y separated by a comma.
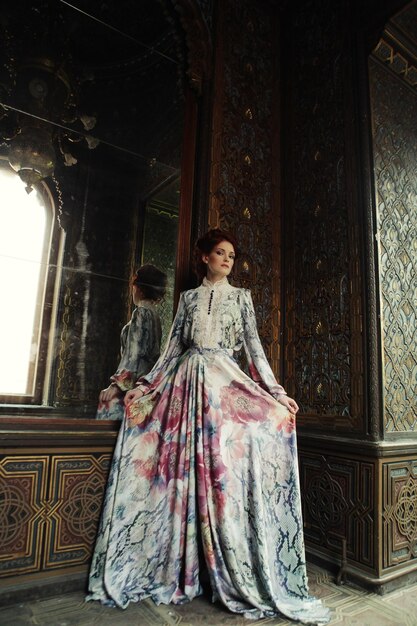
<point>207,454</point>
<point>140,341</point>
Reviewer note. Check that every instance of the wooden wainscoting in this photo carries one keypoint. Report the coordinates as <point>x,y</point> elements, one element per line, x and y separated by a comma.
<point>53,474</point>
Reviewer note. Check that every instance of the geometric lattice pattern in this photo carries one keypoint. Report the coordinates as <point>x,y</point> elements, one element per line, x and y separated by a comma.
<point>399,512</point>
<point>394,108</point>
<point>397,62</point>
<point>59,494</point>
<point>22,514</point>
<point>339,505</point>
<point>76,492</point>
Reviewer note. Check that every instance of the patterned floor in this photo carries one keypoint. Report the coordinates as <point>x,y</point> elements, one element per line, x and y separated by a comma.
<point>350,606</point>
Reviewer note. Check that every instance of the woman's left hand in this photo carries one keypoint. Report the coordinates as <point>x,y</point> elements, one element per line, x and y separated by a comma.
<point>289,403</point>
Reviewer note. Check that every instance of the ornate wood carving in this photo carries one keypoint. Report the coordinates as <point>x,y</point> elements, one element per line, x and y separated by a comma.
<point>339,504</point>
<point>323,286</point>
<point>394,110</point>
<point>60,493</point>
<point>399,525</point>
<point>22,512</point>
<point>243,198</point>
<point>397,63</point>
<point>73,509</point>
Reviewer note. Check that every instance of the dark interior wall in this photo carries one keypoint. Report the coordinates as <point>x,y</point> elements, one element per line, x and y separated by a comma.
<point>324,309</point>
<point>356,486</point>
<point>324,317</point>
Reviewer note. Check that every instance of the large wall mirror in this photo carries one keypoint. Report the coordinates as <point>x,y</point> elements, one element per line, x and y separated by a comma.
<point>93,108</point>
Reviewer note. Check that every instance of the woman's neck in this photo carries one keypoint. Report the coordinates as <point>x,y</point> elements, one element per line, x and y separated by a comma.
<point>215,278</point>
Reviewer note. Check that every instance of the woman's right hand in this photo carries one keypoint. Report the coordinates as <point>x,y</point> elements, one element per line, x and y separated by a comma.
<point>133,395</point>
<point>106,395</point>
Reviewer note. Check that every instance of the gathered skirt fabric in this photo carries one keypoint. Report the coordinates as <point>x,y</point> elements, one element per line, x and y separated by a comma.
<point>207,458</point>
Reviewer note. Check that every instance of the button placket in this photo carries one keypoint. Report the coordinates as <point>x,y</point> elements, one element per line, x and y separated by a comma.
<point>210,301</point>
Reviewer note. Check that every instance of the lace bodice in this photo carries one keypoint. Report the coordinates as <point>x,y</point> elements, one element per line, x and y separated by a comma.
<point>213,317</point>
<point>216,317</point>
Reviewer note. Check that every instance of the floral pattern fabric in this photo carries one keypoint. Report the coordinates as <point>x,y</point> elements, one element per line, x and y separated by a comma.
<point>140,342</point>
<point>207,457</point>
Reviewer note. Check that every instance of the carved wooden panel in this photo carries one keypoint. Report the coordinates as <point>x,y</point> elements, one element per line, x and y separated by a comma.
<point>323,286</point>
<point>394,110</point>
<point>395,60</point>
<point>339,503</point>
<point>22,513</point>
<point>399,515</point>
<point>73,509</point>
<point>243,184</point>
<point>49,509</point>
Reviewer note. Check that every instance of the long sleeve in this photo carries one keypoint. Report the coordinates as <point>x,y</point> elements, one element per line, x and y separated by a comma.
<point>173,350</point>
<point>140,348</point>
<point>259,368</point>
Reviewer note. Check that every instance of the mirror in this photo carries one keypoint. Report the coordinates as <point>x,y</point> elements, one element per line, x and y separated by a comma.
<point>94,94</point>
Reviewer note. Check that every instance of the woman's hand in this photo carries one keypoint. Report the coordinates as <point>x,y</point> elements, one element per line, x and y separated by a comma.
<point>133,395</point>
<point>106,395</point>
<point>289,403</point>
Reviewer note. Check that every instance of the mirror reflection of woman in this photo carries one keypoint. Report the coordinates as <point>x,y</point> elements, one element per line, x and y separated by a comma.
<point>207,456</point>
<point>140,341</point>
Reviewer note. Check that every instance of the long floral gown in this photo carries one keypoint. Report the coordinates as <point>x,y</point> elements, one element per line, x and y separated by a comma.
<point>207,456</point>
<point>140,347</point>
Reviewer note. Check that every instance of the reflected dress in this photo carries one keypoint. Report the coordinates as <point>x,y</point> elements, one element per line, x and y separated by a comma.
<point>207,455</point>
<point>140,347</point>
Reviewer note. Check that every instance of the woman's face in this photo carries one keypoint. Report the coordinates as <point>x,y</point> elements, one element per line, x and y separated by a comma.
<point>220,261</point>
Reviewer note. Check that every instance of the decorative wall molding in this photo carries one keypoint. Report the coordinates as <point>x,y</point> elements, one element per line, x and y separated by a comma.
<point>393,58</point>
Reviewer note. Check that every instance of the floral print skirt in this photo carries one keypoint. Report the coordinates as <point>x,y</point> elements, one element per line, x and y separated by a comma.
<point>113,409</point>
<point>206,463</point>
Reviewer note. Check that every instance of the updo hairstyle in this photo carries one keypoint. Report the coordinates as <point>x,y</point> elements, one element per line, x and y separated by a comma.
<point>205,245</point>
<point>151,281</point>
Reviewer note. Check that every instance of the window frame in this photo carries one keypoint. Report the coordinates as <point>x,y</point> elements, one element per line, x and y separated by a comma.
<point>45,308</point>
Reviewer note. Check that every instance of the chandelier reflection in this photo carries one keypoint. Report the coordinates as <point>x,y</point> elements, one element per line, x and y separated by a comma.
<point>44,120</point>
<point>32,155</point>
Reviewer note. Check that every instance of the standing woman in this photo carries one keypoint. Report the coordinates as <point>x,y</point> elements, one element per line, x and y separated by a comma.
<point>207,453</point>
<point>140,341</point>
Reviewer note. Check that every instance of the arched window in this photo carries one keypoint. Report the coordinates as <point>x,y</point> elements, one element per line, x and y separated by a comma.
<point>26,225</point>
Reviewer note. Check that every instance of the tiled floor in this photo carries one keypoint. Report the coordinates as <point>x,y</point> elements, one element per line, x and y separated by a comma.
<point>350,607</point>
